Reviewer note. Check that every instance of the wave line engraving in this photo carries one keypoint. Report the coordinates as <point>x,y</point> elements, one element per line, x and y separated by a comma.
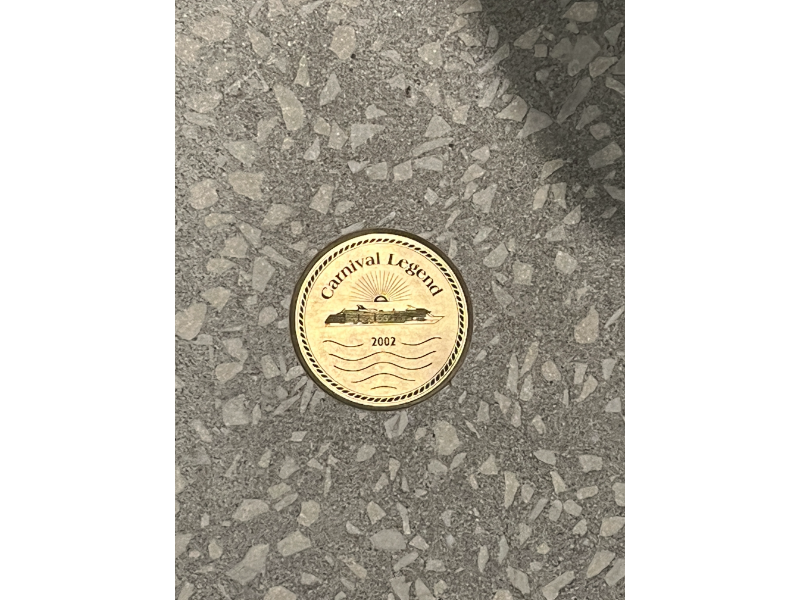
<point>420,344</point>
<point>379,374</point>
<point>382,352</point>
<point>338,344</point>
<point>377,387</point>
<point>383,362</point>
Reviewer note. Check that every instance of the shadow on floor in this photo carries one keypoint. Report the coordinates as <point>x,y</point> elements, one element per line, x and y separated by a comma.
<point>544,84</point>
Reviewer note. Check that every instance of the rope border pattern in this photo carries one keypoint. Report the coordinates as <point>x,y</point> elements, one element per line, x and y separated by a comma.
<point>460,337</point>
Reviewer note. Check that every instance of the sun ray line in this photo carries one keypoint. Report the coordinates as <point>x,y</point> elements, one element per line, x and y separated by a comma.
<point>394,285</point>
<point>389,286</point>
<point>363,287</point>
<point>364,290</point>
<point>371,282</point>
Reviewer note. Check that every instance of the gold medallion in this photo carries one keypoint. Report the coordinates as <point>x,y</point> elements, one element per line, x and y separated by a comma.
<point>381,319</point>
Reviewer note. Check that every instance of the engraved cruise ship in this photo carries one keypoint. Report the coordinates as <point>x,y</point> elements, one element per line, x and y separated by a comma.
<point>372,316</point>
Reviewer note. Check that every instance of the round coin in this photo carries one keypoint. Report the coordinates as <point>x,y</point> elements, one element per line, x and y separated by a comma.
<point>381,319</point>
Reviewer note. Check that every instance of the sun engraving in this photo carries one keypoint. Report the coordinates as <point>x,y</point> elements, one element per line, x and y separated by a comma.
<point>380,287</point>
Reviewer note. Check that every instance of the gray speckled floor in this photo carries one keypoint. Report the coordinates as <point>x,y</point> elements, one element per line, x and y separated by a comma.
<point>494,129</point>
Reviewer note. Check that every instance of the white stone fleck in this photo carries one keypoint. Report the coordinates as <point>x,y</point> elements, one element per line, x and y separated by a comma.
<point>213,28</point>
<point>535,121</point>
<point>606,156</point>
<point>590,462</point>
<point>502,53</point>
<point>244,151</point>
<point>616,572</point>
<point>389,540</point>
<point>338,137</point>
<point>580,528</point>
<point>619,493</point>
<point>373,112</point>
<point>540,197</point>
<point>496,257</point>
<point>543,548</point>
<point>313,151</point>
<point>421,590</point>
<point>402,172</point>
<point>565,263</point>
<point>527,39</point>
<point>513,375</point>
<point>361,133</point>
<point>431,54</point>
<point>552,589</point>
<point>322,199</point>
<point>554,513</point>
<point>588,329</point>
<point>546,456</point>
<point>492,37</point>
<point>234,412</point>
<point>330,90</point>
<point>483,558</point>
<point>572,101</point>
<point>615,192</point>
<point>600,561</point>
<point>293,543</point>
<point>473,172</point>
<point>288,467</point>
<point>483,412</point>
<point>502,296</point>
<point>357,569</point>
<point>309,513</point>
<point>515,111</point>
<point>189,322</point>
<point>187,48</point>
<point>377,172</point>
<point>572,508</point>
<point>582,54</point>
<point>470,6</point>
<point>511,487</point>
<point>400,587</point>
<point>203,194</point>
<point>502,551</point>
<point>582,12</point>
<point>503,401</point>
<point>460,114</point>
<point>558,483</point>
<point>437,127</point>
<point>429,163</point>
<point>550,371</point>
<point>489,94</point>
<point>279,592</point>
<point>343,43</point>
<point>375,512</point>
<point>253,563</point>
<point>352,529</point>
<point>611,526</point>
<point>538,508</point>
<point>446,438</point>
<point>489,466</point>
<point>615,85</point>
<point>287,500</point>
<point>437,467</point>
<point>589,386</point>
<point>293,113</point>
<point>365,452</point>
